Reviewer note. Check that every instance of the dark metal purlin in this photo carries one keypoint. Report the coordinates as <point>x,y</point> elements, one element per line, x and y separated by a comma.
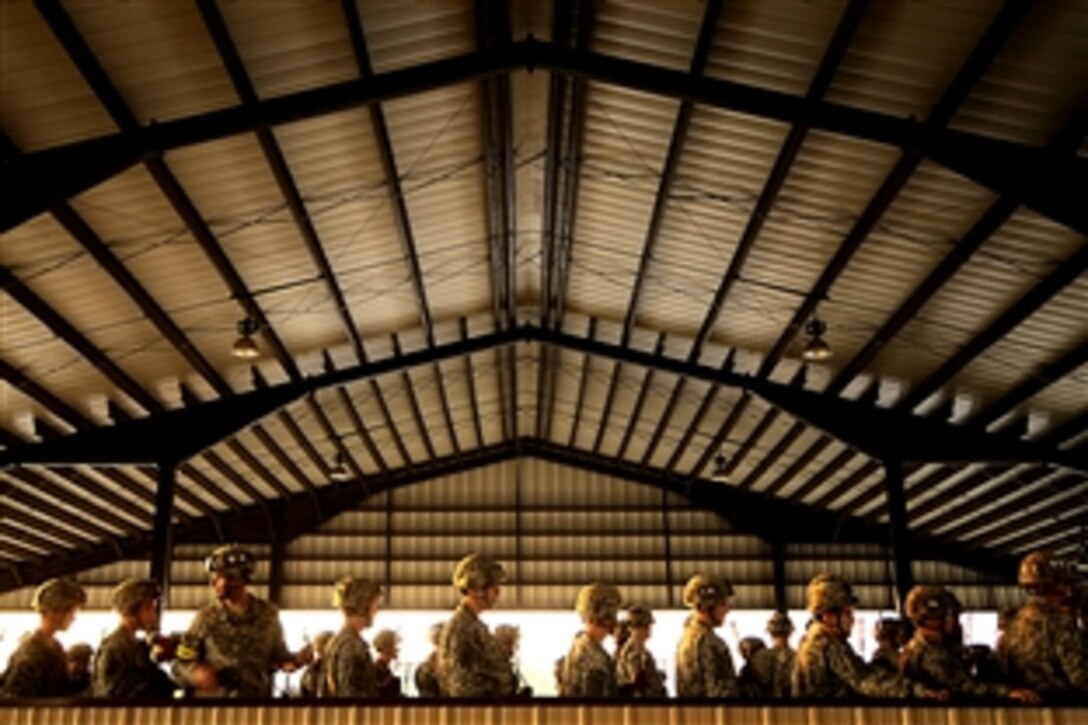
<point>898,530</point>
<point>563,235</point>
<point>799,464</point>
<point>663,421</point>
<point>1038,537</point>
<point>40,486</point>
<point>832,467</point>
<point>363,432</point>
<point>413,402</point>
<point>94,490</point>
<point>251,524</point>
<point>849,483</point>
<point>821,81</point>
<point>162,535</point>
<point>583,384</point>
<point>640,401</point>
<point>207,484</point>
<point>772,456</point>
<point>37,516</point>
<point>715,444</point>
<point>700,414</point>
<point>234,477</point>
<point>672,162</point>
<point>228,54</point>
<point>285,461</point>
<point>972,519</point>
<point>21,382</point>
<point>875,430</point>
<point>470,380</point>
<point>389,165</point>
<point>1048,184</point>
<point>557,91</point>
<point>257,467</point>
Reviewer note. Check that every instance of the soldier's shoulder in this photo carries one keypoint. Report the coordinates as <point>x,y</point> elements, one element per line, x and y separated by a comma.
<point>263,609</point>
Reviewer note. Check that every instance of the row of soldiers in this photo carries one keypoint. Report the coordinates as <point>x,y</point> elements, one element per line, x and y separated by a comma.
<point>235,644</point>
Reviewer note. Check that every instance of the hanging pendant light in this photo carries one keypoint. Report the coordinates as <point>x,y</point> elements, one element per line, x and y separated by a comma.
<point>720,471</point>
<point>245,347</point>
<point>816,348</point>
<point>339,471</point>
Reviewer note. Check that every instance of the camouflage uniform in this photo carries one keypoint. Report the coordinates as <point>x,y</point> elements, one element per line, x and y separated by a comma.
<point>757,675</point>
<point>781,657</point>
<point>588,670</point>
<point>636,671</point>
<point>704,665</point>
<point>312,679</point>
<point>827,666</point>
<point>1045,650</point>
<point>937,667</point>
<point>426,677</point>
<point>39,665</point>
<point>349,669</point>
<point>123,669</point>
<point>244,648</point>
<point>472,663</point>
<point>37,668</point>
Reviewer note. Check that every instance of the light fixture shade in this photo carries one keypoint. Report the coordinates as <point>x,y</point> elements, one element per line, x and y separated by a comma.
<point>721,468</point>
<point>339,471</point>
<point>245,347</point>
<point>816,349</point>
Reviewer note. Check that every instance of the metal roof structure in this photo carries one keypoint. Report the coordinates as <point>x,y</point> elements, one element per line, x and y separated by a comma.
<point>587,232</point>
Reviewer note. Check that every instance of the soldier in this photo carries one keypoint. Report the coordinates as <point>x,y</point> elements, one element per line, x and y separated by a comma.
<point>927,658</point>
<point>123,668</point>
<point>471,662</point>
<point>38,667</point>
<point>349,670</point>
<point>509,637</point>
<point>387,645</point>
<point>312,678</point>
<point>704,665</point>
<point>1045,651</point>
<point>428,682</point>
<point>636,671</point>
<point>779,628</point>
<point>757,673</point>
<point>78,658</point>
<point>588,670</point>
<point>827,666</point>
<point>235,643</point>
<point>890,636</point>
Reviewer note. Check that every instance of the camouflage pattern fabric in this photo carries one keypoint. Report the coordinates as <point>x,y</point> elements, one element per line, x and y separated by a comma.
<point>388,683</point>
<point>938,668</point>
<point>1045,651</point>
<point>123,669</point>
<point>886,658</point>
<point>704,665</point>
<point>244,648</point>
<point>310,684</point>
<point>757,675</point>
<point>636,671</point>
<point>426,677</point>
<point>349,670</point>
<point>37,668</point>
<point>783,660</point>
<point>827,667</point>
<point>471,662</point>
<point>588,671</point>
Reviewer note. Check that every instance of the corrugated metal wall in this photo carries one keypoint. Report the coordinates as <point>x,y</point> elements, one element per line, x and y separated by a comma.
<point>555,528</point>
<point>539,715</point>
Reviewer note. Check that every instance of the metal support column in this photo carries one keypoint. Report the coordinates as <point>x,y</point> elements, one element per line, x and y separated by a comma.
<point>162,537</point>
<point>899,532</point>
<point>778,556</point>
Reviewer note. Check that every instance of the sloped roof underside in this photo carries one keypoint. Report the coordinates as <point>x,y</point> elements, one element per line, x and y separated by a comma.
<point>578,202</point>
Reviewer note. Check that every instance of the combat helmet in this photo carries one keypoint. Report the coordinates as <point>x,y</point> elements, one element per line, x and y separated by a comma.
<point>355,595</point>
<point>780,624</point>
<point>598,603</point>
<point>703,592</point>
<point>231,560</point>
<point>888,628</point>
<point>131,593</point>
<point>508,636</point>
<point>58,595</point>
<point>639,616</point>
<point>386,640</point>
<point>477,571</point>
<point>829,593</point>
<point>1041,570</point>
<point>927,602</point>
